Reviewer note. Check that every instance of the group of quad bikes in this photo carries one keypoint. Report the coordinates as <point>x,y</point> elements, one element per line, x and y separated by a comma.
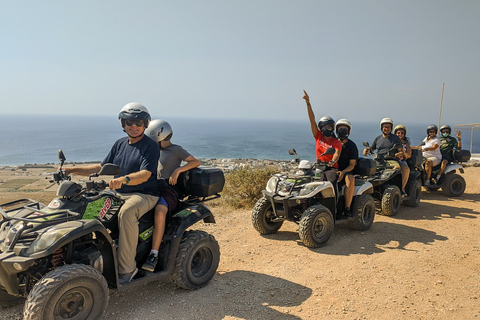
<point>305,198</point>
<point>60,259</point>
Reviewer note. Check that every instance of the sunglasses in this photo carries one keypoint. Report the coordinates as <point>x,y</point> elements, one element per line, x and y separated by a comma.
<point>138,123</point>
<point>432,131</point>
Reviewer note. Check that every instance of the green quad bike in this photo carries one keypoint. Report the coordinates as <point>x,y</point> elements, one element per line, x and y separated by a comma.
<point>387,181</point>
<point>62,258</point>
<point>451,183</point>
<point>315,204</point>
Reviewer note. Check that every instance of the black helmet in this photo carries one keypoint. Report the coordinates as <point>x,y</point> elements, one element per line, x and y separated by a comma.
<point>446,126</point>
<point>432,127</point>
<point>132,111</point>
<point>325,121</point>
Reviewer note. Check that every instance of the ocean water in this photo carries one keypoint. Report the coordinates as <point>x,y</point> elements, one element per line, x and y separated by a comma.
<point>37,139</point>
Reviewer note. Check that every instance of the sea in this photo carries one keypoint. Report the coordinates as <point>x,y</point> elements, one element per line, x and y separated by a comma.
<point>36,139</point>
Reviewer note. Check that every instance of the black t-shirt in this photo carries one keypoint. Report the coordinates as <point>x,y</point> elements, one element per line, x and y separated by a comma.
<point>383,145</point>
<point>142,155</point>
<point>349,152</point>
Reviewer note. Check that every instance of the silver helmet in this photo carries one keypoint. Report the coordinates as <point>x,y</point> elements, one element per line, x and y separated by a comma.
<point>159,130</point>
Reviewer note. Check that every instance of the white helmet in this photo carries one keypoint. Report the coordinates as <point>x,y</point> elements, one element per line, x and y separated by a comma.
<point>344,122</point>
<point>159,130</point>
<point>386,120</point>
<point>132,111</point>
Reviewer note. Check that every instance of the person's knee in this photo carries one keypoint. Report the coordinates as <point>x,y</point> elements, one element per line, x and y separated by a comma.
<point>161,211</point>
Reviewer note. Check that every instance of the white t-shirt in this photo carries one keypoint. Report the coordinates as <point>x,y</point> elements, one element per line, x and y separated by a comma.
<point>429,144</point>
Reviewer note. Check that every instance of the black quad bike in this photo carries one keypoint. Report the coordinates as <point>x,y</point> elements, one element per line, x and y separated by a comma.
<point>313,203</point>
<point>63,257</point>
<point>387,181</point>
<point>451,183</point>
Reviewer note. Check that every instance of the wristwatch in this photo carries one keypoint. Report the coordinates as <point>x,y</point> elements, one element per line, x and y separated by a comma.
<point>127,179</point>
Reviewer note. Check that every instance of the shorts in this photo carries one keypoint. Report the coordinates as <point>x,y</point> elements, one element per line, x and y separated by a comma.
<point>168,198</point>
<point>436,161</point>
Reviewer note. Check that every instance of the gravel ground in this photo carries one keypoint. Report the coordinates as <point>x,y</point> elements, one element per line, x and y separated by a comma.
<point>421,264</point>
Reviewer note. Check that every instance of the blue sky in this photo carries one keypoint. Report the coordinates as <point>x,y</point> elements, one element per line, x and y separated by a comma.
<point>363,60</point>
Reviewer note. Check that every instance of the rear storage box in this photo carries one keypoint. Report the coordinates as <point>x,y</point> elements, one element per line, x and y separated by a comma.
<point>461,155</point>
<point>417,158</point>
<point>201,181</point>
<point>366,167</point>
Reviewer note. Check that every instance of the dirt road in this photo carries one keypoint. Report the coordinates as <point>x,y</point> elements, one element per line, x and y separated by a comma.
<point>422,264</point>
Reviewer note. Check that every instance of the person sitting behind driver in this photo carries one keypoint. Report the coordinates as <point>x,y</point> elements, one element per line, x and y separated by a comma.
<point>325,138</point>
<point>430,147</point>
<point>169,168</point>
<point>386,141</point>
<point>401,132</point>
<point>347,162</point>
<point>447,144</point>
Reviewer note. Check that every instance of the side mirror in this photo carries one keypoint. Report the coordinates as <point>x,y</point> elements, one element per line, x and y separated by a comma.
<point>109,169</point>
<point>292,152</point>
<point>329,151</point>
<point>366,144</point>
<point>61,157</point>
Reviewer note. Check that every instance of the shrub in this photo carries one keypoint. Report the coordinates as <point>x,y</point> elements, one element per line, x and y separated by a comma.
<point>243,186</point>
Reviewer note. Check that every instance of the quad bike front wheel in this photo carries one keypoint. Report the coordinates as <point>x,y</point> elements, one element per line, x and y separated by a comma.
<point>391,200</point>
<point>69,292</point>
<point>414,193</point>
<point>453,185</point>
<point>364,212</point>
<point>197,260</point>
<point>316,226</point>
<point>263,217</point>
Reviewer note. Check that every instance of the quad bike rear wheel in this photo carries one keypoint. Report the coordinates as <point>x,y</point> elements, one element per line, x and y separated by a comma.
<point>197,260</point>
<point>414,193</point>
<point>391,200</point>
<point>316,226</point>
<point>364,212</point>
<point>262,217</point>
<point>69,292</point>
<point>453,185</point>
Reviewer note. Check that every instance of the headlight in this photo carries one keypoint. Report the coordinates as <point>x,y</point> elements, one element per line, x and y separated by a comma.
<point>272,182</point>
<point>48,238</point>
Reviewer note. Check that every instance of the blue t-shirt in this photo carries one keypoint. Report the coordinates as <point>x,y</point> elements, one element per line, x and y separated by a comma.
<point>141,155</point>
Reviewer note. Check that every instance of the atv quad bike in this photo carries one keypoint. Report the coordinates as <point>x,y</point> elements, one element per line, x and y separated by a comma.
<point>63,257</point>
<point>451,183</point>
<point>387,181</point>
<point>313,203</point>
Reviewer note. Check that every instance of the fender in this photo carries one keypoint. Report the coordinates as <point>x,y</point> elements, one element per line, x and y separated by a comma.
<point>79,228</point>
<point>451,167</point>
<point>313,188</point>
<point>364,188</point>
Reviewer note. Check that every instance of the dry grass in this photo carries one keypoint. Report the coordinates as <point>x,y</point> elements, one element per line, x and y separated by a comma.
<point>243,187</point>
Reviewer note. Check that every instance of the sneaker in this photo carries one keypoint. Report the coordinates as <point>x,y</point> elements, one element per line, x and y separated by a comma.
<point>427,183</point>
<point>348,213</point>
<point>151,263</point>
<point>124,278</point>
<point>404,193</point>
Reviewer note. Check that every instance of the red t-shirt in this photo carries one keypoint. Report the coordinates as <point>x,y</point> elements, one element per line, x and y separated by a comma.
<point>323,144</point>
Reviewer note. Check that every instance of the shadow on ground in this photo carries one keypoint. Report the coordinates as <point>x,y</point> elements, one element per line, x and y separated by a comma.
<point>240,294</point>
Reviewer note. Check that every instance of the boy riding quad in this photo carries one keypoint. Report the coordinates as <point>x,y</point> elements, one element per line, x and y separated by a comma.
<point>387,181</point>
<point>63,257</point>
<point>313,203</point>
